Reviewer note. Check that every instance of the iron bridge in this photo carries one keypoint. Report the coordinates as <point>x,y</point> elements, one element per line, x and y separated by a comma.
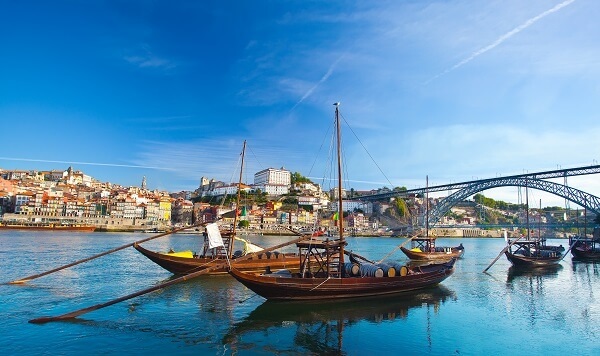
<point>528,180</point>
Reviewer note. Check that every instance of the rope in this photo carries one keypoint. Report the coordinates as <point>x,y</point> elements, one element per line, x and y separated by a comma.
<point>368,153</point>
<point>320,284</point>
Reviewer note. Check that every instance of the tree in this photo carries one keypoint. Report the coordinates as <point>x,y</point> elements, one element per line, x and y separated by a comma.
<point>296,177</point>
<point>400,207</point>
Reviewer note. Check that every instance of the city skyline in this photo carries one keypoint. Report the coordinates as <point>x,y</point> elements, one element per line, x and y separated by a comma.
<point>452,91</point>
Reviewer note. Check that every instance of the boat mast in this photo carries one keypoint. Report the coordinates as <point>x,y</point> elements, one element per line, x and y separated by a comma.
<point>540,221</point>
<point>339,163</point>
<point>527,207</point>
<point>237,204</point>
<point>427,206</point>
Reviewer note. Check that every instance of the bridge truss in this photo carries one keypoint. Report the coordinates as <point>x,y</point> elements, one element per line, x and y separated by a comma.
<point>586,200</point>
<point>530,180</point>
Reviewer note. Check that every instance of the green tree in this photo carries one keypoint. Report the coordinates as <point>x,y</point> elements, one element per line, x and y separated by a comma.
<point>296,177</point>
<point>400,207</point>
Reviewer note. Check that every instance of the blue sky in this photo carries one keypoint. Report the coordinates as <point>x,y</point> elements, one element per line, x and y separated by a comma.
<point>453,90</point>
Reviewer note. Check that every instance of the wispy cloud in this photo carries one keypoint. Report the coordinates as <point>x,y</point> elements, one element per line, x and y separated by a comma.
<point>84,163</point>
<point>148,59</point>
<point>503,38</point>
<point>321,81</point>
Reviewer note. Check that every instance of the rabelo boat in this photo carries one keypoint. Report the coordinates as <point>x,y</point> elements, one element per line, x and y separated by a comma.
<point>324,273</point>
<point>185,262</point>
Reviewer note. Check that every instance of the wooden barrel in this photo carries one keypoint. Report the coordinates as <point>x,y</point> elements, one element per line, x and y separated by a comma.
<point>401,270</point>
<point>388,271</point>
<point>370,270</point>
<point>351,269</point>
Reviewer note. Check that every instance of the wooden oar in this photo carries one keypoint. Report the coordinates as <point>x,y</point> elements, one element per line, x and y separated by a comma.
<point>28,278</point>
<point>350,253</point>
<point>397,248</point>
<point>500,254</point>
<point>569,250</point>
<point>79,312</point>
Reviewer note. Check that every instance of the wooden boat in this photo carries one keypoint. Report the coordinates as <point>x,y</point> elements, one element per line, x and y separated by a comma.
<point>533,253</point>
<point>47,227</point>
<point>424,249</point>
<point>586,249</point>
<point>324,274</point>
<point>185,262</point>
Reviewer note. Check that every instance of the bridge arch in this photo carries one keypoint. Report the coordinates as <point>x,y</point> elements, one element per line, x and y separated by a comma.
<point>586,200</point>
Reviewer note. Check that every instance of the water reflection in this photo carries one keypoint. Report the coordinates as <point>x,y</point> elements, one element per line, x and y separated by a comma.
<point>587,266</point>
<point>531,291</point>
<point>318,326</point>
<point>539,273</point>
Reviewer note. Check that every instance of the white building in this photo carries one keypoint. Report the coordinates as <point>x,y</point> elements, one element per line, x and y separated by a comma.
<point>273,176</point>
<point>273,181</point>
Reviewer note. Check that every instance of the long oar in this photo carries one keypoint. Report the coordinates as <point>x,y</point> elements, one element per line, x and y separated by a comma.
<point>350,253</point>
<point>26,279</point>
<point>397,248</point>
<point>79,312</point>
<point>570,248</point>
<point>500,254</point>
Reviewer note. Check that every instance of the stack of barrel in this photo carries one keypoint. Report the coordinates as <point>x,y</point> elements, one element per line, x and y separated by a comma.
<point>353,269</point>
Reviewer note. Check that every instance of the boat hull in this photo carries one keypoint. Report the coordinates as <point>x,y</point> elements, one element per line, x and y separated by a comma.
<point>298,288</point>
<point>433,256</point>
<point>519,260</point>
<point>586,254</point>
<point>185,265</point>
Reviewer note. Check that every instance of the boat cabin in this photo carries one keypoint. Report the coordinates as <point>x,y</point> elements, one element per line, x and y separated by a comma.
<point>320,257</point>
<point>423,244</point>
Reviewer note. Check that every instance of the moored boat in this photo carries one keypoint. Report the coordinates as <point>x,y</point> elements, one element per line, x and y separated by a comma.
<point>213,254</point>
<point>586,248</point>
<point>532,253</point>
<point>185,262</point>
<point>324,274</point>
<point>425,249</point>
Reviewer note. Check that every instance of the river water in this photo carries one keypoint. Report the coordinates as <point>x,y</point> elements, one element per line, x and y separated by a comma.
<point>471,313</point>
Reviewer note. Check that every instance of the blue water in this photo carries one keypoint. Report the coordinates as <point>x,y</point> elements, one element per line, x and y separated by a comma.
<point>471,313</point>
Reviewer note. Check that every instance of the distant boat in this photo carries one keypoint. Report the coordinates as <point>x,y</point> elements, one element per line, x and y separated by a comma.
<point>424,249</point>
<point>532,252</point>
<point>328,276</point>
<point>46,226</point>
<point>585,248</point>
